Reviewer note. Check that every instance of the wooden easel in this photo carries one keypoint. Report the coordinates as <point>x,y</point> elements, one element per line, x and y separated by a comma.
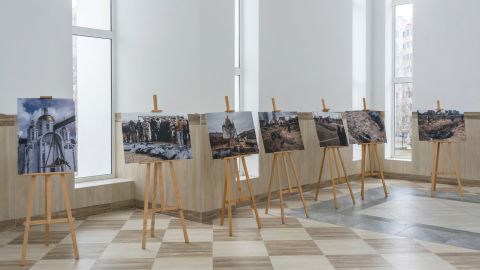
<point>159,185</point>
<point>227,193</point>
<point>48,209</point>
<point>373,154</point>
<point>448,148</point>
<point>332,152</point>
<point>276,169</point>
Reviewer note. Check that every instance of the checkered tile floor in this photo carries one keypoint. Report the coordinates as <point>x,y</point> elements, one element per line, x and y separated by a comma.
<point>113,241</point>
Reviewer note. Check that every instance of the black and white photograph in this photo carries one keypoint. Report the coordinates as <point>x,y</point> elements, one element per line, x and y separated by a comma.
<point>47,137</point>
<point>149,137</point>
<point>443,126</point>
<point>280,131</point>
<point>231,134</point>
<point>366,127</point>
<point>331,130</point>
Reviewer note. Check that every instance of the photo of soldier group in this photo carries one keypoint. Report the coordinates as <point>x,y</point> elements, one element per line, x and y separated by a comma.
<point>330,129</point>
<point>444,125</point>
<point>280,131</point>
<point>231,134</point>
<point>366,127</point>
<point>151,137</point>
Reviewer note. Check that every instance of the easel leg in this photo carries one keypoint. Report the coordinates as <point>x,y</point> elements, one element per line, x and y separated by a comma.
<point>321,172</point>
<point>455,165</point>
<point>345,174</point>
<point>252,195</point>
<point>330,168</point>
<point>224,199</point>
<point>437,148</point>
<point>31,192</point>
<point>48,208</point>
<point>71,225</point>
<point>229,196</point>
<point>362,173</point>
<point>380,169</point>
<point>161,190</point>
<point>280,191</point>
<point>287,175</point>
<point>145,207</point>
<point>154,199</point>
<point>434,154</point>
<point>270,184</point>
<point>179,201</point>
<point>237,177</point>
<point>299,185</point>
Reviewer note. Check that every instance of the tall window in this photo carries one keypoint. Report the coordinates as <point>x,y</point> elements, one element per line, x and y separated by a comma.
<point>402,79</point>
<point>92,86</point>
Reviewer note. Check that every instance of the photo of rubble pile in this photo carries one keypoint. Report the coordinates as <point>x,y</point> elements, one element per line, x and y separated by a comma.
<point>366,127</point>
<point>331,131</point>
<point>280,131</point>
<point>444,125</point>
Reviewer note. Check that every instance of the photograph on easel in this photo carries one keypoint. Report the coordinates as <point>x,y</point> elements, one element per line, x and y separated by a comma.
<point>280,131</point>
<point>150,137</point>
<point>231,134</point>
<point>330,129</point>
<point>47,136</point>
<point>366,127</point>
<point>443,125</point>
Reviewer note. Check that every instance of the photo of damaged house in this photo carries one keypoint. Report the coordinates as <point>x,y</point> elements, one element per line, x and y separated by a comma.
<point>444,125</point>
<point>231,134</point>
<point>330,129</point>
<point>47,137</point>
<point>150,137</point>
<point>280,131</point>
<point>366,127</point>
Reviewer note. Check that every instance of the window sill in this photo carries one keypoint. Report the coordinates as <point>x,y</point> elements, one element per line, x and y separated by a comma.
<point>103,182</point>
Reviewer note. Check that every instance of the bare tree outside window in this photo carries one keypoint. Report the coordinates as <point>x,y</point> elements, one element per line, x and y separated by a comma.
<point>402,84</point>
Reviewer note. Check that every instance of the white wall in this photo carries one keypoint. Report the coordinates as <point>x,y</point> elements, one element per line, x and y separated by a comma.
<point>35,50</point>
<point>181,50</point>
<point>306,54</point>
<point>446,54</point>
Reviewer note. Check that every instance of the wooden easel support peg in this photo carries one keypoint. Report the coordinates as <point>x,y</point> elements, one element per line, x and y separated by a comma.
<point>439,108</point>
<point>227,105</point>
<point>274,105</point>
<point>325,109</point>
<point>364,101</point>
<point>155,105</point>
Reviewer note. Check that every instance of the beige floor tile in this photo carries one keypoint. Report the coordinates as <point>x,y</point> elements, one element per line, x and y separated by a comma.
<point>300,262</point>
<point>130,251</point>
<point>442,248</point>
<point>420,261</point>
<point>344,247</point>
<point>195,235</point>
<point>70,264</point>
<point>8,236</point>
<point>239,249</point>
<point>183,263</point>
<point>137,224</point>
<point>270,234</point>
<point>13,252</point>
<point>310,223</point>
<point>63,227</point>
<point>92,237</point>
<point>237,223</point>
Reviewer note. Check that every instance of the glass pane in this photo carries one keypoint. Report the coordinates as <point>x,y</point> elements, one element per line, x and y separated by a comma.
<point>92,91</point>
<point>403,120</point>
<point>91,14</point>
<point>403,40</point>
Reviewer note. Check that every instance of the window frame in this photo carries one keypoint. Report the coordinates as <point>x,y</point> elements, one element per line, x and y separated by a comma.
<point>103,34</point>
<point>396,80</point>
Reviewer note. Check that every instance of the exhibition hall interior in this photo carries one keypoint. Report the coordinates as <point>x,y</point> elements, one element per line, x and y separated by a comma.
<point>239,134</point>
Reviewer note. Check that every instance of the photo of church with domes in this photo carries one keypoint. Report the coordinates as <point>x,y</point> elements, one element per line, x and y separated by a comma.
<point>47,138</point>
<point>231,134</point>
